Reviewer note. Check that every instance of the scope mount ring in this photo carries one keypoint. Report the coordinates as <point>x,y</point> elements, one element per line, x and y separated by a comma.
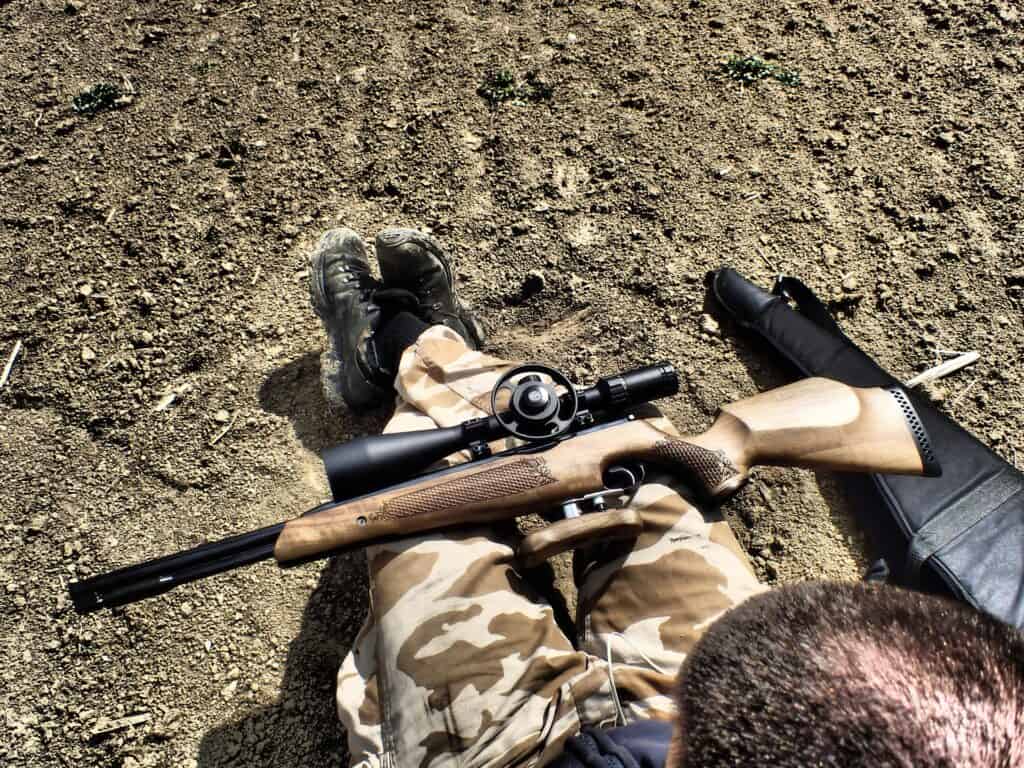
<point>537,410</point>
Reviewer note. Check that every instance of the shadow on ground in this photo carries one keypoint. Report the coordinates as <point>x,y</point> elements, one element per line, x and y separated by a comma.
<point>301,729</point>
<point>295,391</point>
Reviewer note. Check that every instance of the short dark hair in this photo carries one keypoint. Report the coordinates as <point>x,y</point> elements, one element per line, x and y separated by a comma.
<point>846,674</point>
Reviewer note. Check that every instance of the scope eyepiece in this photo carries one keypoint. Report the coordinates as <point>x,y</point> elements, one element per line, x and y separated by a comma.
<point>634,387</point>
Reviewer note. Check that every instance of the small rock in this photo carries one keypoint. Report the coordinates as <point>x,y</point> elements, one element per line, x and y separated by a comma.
<point>1007,14</point>
<point>772,569</point>
<point>850,284</point>
<point>186,609</point>
<point>64,127</point>
<point>222,416</point>
<point>85,291</point>
<point>945,140</point>
<point>951,251</point>
<point>709,325</point>
<point>227,267</point>
<point>88,355</point>
<point>925,268</point>
<point>532,285</point>
<point>1002,61</point>
<point>228,691</point>
<point>471,140</point>
<point>521,228</point>
<point>146,338</point>
<point>1016,277</point>
<point>717,22</point>
<point>571,38</point>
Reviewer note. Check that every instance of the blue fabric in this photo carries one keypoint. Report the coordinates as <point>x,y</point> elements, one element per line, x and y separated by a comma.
<point>641,745</point>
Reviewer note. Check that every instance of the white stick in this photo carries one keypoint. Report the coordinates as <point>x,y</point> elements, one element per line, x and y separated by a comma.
<point>224,431</point>
<point>943,369</point>
<point>10,363</point>
<point>165,401</point>
<point>963,394</point>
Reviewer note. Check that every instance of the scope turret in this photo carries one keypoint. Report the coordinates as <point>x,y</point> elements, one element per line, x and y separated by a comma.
<point>367,464</point>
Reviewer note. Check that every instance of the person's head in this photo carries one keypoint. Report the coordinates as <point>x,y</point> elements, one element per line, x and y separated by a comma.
<point>838,674</point>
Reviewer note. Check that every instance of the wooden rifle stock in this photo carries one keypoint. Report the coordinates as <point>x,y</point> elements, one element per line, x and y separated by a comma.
<point>815,423</point>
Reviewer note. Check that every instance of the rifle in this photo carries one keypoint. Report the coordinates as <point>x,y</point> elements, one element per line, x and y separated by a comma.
<point>579,451</point>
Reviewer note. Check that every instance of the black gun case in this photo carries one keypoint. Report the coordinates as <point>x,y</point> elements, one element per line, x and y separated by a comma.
<point>961,533</point>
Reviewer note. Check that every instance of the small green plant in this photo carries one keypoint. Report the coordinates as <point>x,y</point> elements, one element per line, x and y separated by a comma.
<point>96,99</point>
<point>748,70</point>
<point>502,86</point>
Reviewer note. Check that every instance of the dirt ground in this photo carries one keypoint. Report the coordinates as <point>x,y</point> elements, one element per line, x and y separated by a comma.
<point>157,248</point>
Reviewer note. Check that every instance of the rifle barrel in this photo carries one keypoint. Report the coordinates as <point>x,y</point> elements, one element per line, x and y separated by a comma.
<point>155,577</point>
<point>361,466</point>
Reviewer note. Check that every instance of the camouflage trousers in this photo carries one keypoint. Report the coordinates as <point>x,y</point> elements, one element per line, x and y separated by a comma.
<point>461,663</point>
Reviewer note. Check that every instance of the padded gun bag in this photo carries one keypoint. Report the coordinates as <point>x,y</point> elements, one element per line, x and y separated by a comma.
<point>960,533</point>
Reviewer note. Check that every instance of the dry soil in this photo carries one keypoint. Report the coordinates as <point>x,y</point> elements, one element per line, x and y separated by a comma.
<point>157,248</point>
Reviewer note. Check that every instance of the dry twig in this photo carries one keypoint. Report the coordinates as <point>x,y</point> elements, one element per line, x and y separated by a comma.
<point>963,394</point>
<point>104,726</point>
<point>239,9</point>
<point>227,428</point>
<point>767,261</point>
<point>943,369</point>
<point>10,363</point>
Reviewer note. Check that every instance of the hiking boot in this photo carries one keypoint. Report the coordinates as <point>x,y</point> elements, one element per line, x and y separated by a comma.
<point>413,261</point>
<point>341,290</point>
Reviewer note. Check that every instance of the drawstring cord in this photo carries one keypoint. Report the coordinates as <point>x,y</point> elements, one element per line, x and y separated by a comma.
<point>620,715</point>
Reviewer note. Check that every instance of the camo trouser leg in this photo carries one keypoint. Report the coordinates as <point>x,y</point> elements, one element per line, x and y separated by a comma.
<point>462,663</point>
